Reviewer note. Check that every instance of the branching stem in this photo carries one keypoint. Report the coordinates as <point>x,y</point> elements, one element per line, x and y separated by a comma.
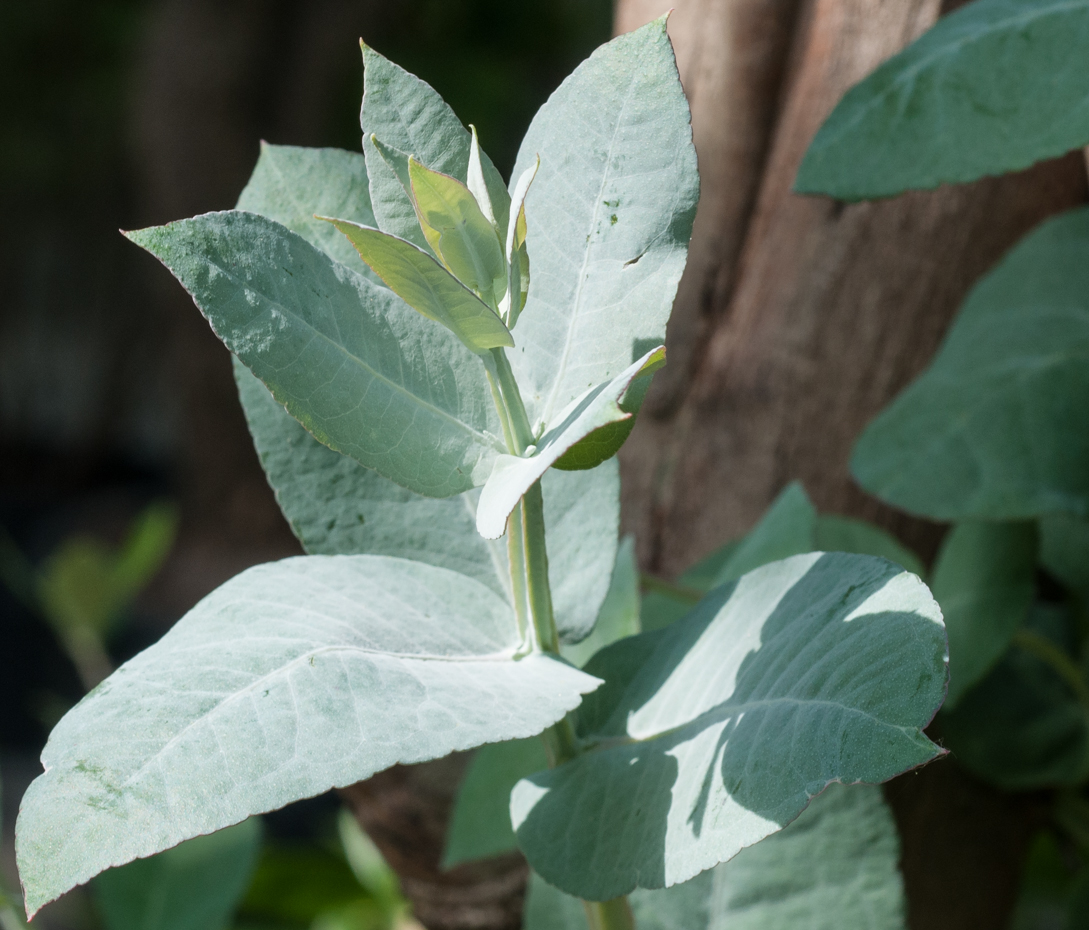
<point>609,915</point>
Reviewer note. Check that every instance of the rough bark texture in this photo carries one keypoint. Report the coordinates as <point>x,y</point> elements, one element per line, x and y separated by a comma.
<point>798,319</point>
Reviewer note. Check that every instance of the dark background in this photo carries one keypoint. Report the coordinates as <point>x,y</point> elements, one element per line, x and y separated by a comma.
<point>119,114</point>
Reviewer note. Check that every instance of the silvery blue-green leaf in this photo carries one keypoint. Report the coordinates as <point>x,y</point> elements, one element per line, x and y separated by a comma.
<point>361,370</point>
<point>480,824</point>
<point>292,678</point>
<point>1064,550</point>
<point>609,216</point>
<point>290,185</point>
<point>993,87</point>
<point>337,507</point>
<point>515,249</point>
<point>619,615</point>
<point>787,528</point>
<point>985,580</point>
<point>1023,727</point>
<point>834,868</point>
<point>842,534</point>
<point>194,886</point>
<point>407,113</point>
<point>477,182</point>
<point>389,164</point>
<point>998,426</point>
<point>512,475</point>
<point>842,657</point>
<point>425,285</point>
<point>458,232</point>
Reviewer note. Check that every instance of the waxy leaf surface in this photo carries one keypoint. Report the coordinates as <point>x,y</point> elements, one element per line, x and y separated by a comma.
<point>841,657</point>
<point>291,679</point>
<point>360,369</point>
<point>609,217</point>
<point>998,426</point>
<point>337,507</point>
<point>993,87</point>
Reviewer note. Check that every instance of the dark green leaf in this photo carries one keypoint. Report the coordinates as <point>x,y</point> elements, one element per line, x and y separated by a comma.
<point>1064,550</point>
<point>842,534</point>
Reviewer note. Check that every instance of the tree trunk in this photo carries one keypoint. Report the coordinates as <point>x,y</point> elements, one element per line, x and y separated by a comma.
<point>797,320</point>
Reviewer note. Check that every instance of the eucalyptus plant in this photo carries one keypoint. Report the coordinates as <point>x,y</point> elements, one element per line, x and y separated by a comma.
<point>438,370</point>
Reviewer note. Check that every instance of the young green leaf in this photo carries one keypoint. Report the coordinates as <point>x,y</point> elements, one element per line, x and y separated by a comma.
<point>516,252</point>
<point>425,285</point>
<point>512,476</point>
<point>290,679</point>
<point>998,427</point>
<point>356,366</point>
<point>842,656</point>
<point>610,214</point>
<point>993,87</point>
<point>194,886</point>
<point>407,114</point>
<point>337,507</point>
<point>458,232</point>
<point>834,867</point>
<point>984,580</point>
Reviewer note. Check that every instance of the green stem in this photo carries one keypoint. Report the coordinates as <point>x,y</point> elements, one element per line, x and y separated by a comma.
<point>1046,651</point>
<point>609,915</point>
<point>512,399</point>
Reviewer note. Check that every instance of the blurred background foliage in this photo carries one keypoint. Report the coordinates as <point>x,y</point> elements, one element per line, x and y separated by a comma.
<point>129,485</point>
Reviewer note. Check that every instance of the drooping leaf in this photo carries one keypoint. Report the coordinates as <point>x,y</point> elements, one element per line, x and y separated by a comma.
<point>841,656</point>
<point>842,534</point>
<point>337,507</point>
<point>424,284</point>
<point>998,427</point>
<point>512,476</point>
<point>609,217</point>
<point>290,679</point>
<point>984,580</point>
<point>834,867</point>
<point>194,886</point>
<point>1064,550</point>
<point>993,87</point>
<point>459,232</point>
<point>290,185</point>
<point>1023,727</point>
<point>407,114</point>
<point>354,364</point>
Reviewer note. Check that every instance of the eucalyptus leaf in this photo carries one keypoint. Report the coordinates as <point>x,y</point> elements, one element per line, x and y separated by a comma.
<point>1064,550</point>
<point>993,87</point>
<point>354,364</point>
<point>512,475</point>
<point>609,217</point>
<point>984,580</point>
<point>998,426</point>
<point>194,886</point>
<point>337,507</point>
<point>424,284</point>
<point>842,656</point>
<point>290,679</point>
<point>834,868</point>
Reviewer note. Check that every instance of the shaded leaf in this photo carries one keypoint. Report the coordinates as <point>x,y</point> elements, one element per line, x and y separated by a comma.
<point>984,580</point>
<point>609,218</point>
<point>787,528</point>
<point>993,87</point>
<point>425,285</point>
<point>321,669</point>
<point>842,534</point>
<point>619,616</point>
<point>998,426</point>
<point>842,655</point>
<point>353,363</point>
<point>1064,550</point>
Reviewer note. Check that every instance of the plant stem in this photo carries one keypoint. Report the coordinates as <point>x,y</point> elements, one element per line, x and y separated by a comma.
<point>609,915</point>
<point>512,400</point>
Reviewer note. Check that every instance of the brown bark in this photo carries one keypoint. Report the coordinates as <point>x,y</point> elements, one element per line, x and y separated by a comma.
<point>798,319</point>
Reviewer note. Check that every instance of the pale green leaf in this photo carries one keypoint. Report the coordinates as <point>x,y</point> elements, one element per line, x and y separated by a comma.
<point>290,185</point>
<point>407,114</point>
<point>354,364</point>
<point>834,868</point>
<point>609,217</point>
<point>194,886</point>
<point>993,87</point>
<point>458,232</point>
<point>998,426</point>
<point>1064,550</point>
<point>512,476</point>
<point>787,528</point>
<point>984,580</point>
<point>337,507</point>
<point>478,184</point>
<point>619,616</point>
<point>842,657</point>
<point>291,679</point>
<point>516,251</point>
<point>425,285</point>
<point>842,534</point>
